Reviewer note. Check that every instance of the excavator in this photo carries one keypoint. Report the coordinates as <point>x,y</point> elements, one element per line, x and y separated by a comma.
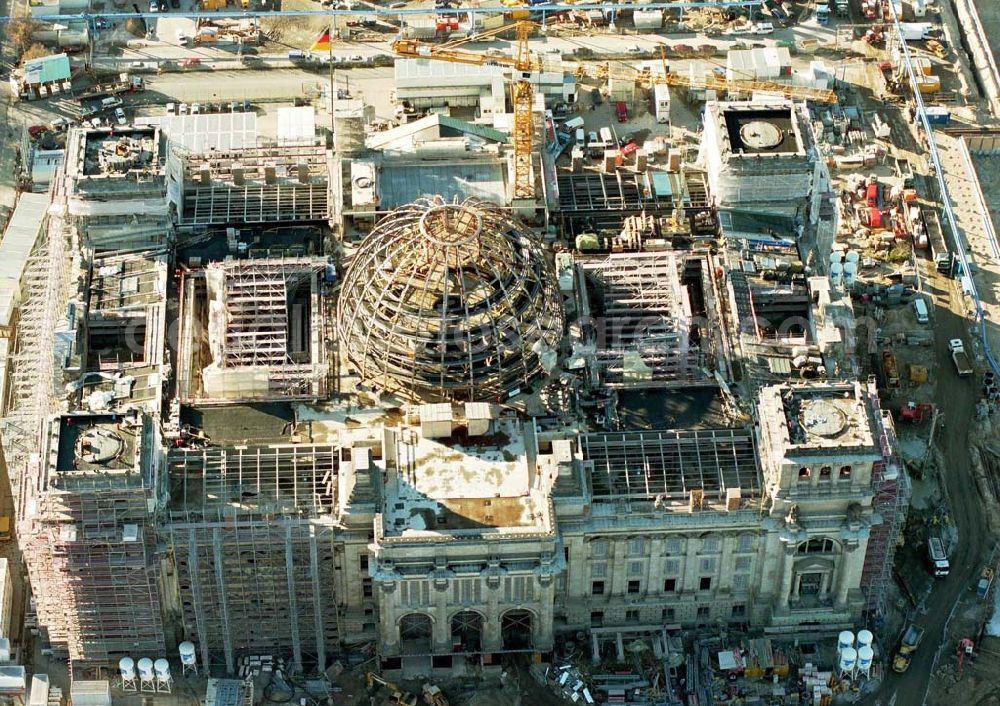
<point>397,697</point>
<point>524,63</point>
<point>433,696</point>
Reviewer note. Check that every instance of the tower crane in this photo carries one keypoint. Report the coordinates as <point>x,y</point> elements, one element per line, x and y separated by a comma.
<point>523,62</point>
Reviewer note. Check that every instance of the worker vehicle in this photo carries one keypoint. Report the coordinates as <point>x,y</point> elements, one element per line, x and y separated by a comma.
<point>937,557</point>
<point>621,112</point>
<point>823,14</point>
<point>963,365</point>
<point>890,369</point>
<point>762,28</point>
<point>914,412</point>
<point>120,117</point>
<point>397,697</point>
<point>985,581</point>
<point>920,309</point>
<point>433,696</point>
<point>5,532</point>
<point>907,646</point>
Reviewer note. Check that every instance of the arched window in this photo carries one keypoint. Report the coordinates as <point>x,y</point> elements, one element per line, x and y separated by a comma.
<point>817,545</point>
<point>845,472</point>
<point>803,473</point>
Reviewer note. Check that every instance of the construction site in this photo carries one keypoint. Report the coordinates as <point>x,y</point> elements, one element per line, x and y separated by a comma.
<point>528,371</point>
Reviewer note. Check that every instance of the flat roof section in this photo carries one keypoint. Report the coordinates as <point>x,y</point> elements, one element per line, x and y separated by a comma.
<point>401,184</point>
<point>670,464</point>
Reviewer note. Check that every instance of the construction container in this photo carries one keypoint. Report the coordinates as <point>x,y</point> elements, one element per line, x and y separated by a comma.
<point>937,115</point>
<point>420,28</point>
<point>928,84</point>
<point>647,19</point>
<point>921,65</point>
<point>918,374</point>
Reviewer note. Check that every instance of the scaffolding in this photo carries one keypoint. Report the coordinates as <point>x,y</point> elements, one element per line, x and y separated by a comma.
<point>34,369</point>
<point>253,329</point>
<point>93,549</point>
<point>253,539</point>
<point>450,301</point>
<point>892,498</point>
<point>642,320</point>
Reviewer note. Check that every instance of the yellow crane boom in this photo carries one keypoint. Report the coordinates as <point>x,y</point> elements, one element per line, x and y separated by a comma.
<point>522,94</point>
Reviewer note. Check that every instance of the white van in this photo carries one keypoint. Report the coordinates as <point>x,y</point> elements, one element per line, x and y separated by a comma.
<point>573,124</point>
<point>920,307</point>
<point>606,137</point>
<point>580,136</point>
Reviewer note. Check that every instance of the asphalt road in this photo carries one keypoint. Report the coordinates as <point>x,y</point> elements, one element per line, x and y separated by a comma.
<point>956,398</point>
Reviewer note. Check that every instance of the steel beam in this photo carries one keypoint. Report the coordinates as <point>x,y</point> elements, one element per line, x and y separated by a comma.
<point>387,12</point>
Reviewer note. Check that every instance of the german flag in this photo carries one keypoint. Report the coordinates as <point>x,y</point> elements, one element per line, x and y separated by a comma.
<point>322,42</point>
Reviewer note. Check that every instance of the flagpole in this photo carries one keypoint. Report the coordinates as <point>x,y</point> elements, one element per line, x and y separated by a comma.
<point>333,88</point>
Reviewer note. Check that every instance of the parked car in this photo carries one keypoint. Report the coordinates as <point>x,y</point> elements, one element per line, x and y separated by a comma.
<point>191,62</point>
<point>621,112</point>
<point>120,117</point>
<point>182,109</point>
<point>171,109</point>
<point>762,28</point>
<point>195,108</point>
<point>60,124</point>
<point>596,97</point>
<point>154,6</point>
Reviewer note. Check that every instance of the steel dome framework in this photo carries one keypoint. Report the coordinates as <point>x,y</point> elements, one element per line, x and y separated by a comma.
<point>449,301</point>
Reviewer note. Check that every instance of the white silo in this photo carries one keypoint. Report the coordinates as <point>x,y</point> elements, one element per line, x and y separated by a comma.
<point>189,660</point>
<point>848,661</point>
<point>850,272</point>
<point>147,682</point>
<point>835,257</point>
<point>161,669</point>
<point>852,256</point>
<point>866,656</point>
<point>845,640</point>
<point>865,638</point>
<point>126,669</point>
<point>836,272</point>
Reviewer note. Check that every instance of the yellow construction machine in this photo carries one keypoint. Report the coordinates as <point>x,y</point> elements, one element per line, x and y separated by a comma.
<point>397,697</point>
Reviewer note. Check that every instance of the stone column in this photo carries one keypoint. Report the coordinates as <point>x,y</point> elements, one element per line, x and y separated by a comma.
<point>542,626</point>
<point>387,615</point>
<point>654,572</point>
<point>690,577</point>
<point>725,568</point>
<point>617,573</point>
<point>491,621</point>
<point>844,574</point>
<point>788,562</point>
<point>441,626</point>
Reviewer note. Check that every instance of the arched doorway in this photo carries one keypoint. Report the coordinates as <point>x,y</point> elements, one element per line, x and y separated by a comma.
<point>467,631</point>
<point>515,630</point>
<point>415,633</point>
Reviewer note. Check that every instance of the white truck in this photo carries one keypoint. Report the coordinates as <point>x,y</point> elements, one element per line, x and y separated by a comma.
<point>661,102</point>
<point>963,365</point>
<point>915,31</point>
<point>937,557</point>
